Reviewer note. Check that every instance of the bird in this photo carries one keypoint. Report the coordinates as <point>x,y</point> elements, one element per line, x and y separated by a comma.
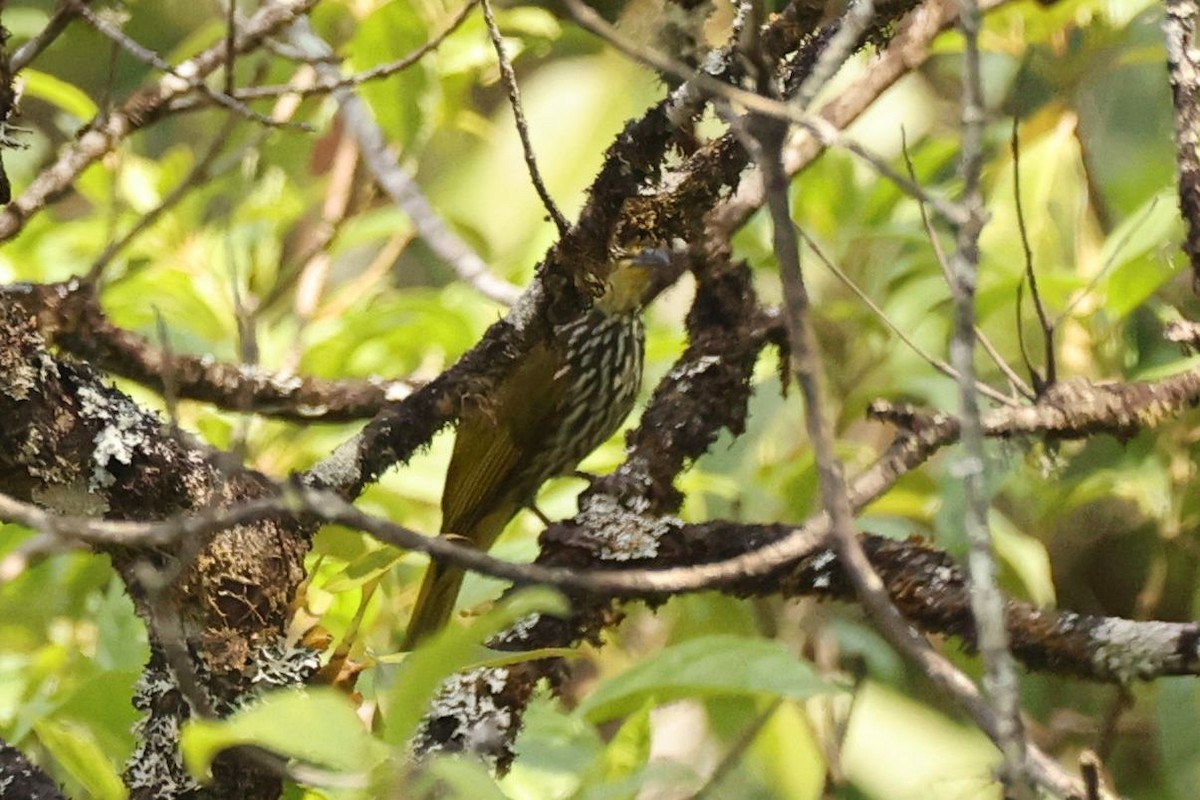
<point>561,400</point>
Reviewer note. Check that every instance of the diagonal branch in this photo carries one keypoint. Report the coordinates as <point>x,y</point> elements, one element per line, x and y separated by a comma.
<point>395,179</point>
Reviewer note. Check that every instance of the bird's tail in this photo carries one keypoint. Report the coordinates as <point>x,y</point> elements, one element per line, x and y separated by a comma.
<point>435,602</point>
<point>439,590</point>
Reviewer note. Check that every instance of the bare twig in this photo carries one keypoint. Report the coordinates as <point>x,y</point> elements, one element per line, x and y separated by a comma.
<point>820,128</point>
<point>1089,767</point>
<point>315,263</point>
<point>70,316</point>
<point>27,52</point>
<point>854,24</point>
<point>835,494</point>
<point>514,100</point>
<point>933,361</point>
<point>170,390</point>
<point>1109,263</point>
<point>200,172</point>
<point>153,59</point>
<point>397,182</point>
<point>907,50</point>
<point>987,604</point>
<point>1040,381</point>
<point>109,129</point>
<point>324,86</point>
<point>1017,382</point>
<point>230,51</point>
<point>732,759</point>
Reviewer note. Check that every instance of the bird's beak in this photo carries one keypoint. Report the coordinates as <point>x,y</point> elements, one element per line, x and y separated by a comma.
<point>652,257</point>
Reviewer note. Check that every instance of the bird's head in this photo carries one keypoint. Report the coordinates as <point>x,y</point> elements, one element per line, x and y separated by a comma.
<point>624,289</point>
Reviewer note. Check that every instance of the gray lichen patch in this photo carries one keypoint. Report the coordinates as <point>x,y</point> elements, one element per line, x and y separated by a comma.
<point>155,764</point>
<point>120,437</point>
<point>617,533</point>
<point>683,374</point>
<point>467,715</point>
<point>283,664</point>
<point>1128,650</point>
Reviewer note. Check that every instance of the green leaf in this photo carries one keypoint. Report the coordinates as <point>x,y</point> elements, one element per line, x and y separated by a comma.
<point>628,751</point>
<point>1139,249</point>
<point>455,778</point>
<point>66,96</point>
<point>706,667</point>
<point>364,569</point>
<point>452,650</point>
<point>76,751</point>
<point>332,734</point>
<point>1026,556</point>
<point>399,101</point>
<point>1177,702</point>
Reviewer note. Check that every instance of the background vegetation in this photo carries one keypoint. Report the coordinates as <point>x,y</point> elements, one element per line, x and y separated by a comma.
<point>776,698</point>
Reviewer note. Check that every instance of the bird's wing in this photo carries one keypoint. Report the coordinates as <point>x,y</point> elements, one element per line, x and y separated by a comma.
<point>492,444</point>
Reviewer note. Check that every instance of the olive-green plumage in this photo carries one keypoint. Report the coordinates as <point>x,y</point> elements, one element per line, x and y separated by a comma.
<point>558,404</point>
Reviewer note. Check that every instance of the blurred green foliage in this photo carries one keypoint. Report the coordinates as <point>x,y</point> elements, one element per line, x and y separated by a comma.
<point>1098,526</point>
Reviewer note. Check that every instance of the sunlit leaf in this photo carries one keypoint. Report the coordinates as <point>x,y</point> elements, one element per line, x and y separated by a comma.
<point>706,666</point>
<point>364,569</point>
<point>58,92</point>
<point>318,726</point>
<point>76,750</point>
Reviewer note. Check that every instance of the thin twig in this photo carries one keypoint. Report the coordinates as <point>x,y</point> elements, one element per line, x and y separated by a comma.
<point>732,758</point>
<point>939,253</point>
<point>1183,62</point>
<point>1108,736</point>
<point>397,182</point>
<point>27,52</point>
<point>1040,382</point>
<point>835,496</point>
<point>353,80</point>
<point>767,137</point>
<point>987,603</point>
<point>1089,767</point>
<point>245,314</point>
<point>820,128</point>
<point>153,59</point>
<point>230,50</point>
<point>314,270</point>
<point>514,100</point>
<point>854,24</point>
<point>906,51</point>
<point>170,387</point>
<point>1109,263</point>
<point>933,361</point>
<point>199,173</point>
<point>105,132</point>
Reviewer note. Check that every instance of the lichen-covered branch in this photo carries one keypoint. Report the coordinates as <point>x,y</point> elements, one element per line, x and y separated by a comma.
<point>20,778</point>
<point>1179,25</point>
<point>77,446</point>
<point>70,317</point>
